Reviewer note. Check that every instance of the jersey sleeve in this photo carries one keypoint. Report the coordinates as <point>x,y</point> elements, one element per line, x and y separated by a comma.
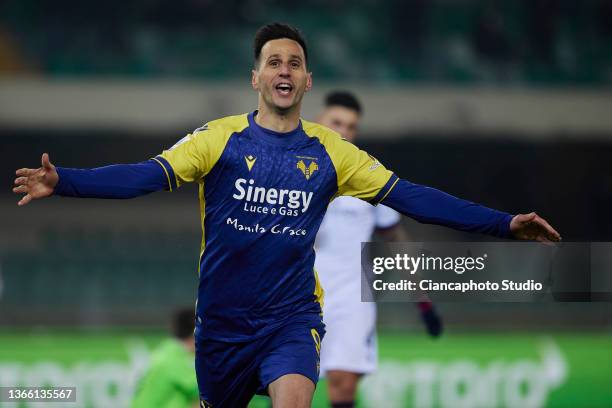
<point>114,181</point>
<point>192,157</point>
<point>359,174</point>
<point>431,206</point>
<point>385,217</point>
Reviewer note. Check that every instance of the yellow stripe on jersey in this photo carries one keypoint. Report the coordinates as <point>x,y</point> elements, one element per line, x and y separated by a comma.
<point>317,340</point>
<point>192,157</point>
<point>359,174</point>
<point>196,154</point>
<point>165,171</point>
<point>201,193</point>
<point>389,190</point>
<point>319,293</point>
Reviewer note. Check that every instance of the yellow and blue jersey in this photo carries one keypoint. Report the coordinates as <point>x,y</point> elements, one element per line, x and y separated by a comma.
<point>262,196</point>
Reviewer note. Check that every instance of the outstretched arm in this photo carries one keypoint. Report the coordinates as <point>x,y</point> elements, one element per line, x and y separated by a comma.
<point>115,181</point>
<point>431,206</point>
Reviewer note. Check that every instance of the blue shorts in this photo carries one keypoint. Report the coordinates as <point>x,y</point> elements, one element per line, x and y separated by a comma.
<point>230,374</point>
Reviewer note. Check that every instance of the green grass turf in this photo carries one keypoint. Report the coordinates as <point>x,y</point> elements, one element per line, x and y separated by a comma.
<point>588,356</point>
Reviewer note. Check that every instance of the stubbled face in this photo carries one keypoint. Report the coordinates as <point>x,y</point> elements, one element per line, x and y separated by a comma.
<point>343,120</point>
<point>281,77</point>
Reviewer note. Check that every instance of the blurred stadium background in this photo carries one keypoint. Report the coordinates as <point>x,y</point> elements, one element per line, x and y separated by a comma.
<point>508,103</point>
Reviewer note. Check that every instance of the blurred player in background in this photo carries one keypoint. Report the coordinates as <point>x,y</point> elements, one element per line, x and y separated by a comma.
<point>349,349</point>
<point>170,380</point>
<point>266,178</point>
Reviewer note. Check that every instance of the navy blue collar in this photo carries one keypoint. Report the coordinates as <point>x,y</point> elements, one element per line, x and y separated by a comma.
<point>279,138</point>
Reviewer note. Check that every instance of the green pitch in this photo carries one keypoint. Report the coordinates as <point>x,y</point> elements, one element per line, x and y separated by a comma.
<point>552,370</point>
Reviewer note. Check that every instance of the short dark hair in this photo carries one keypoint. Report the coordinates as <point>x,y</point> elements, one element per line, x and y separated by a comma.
<point>183,323</point>
<point>345,99</point>
<point>277,31</point>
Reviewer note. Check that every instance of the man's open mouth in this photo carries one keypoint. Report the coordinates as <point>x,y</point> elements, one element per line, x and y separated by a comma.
<point>284,88</point>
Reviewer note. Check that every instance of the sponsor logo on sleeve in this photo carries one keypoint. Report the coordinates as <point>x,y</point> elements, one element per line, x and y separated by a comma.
<point>375,163</point>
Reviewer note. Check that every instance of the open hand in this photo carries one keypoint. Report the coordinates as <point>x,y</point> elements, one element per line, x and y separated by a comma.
<point>36,183</point>
<point>532,227</point>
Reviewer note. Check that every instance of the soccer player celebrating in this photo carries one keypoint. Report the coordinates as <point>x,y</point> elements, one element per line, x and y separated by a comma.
<point>169,381</point>
<point>265,180</point>
<point>349,348</point>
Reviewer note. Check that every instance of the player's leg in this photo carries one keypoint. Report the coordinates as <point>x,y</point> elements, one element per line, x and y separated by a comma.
<point>342,388</point>
<point>227,372</point>
<point>349,349</point>
<point>291,391</point>
<point>290,368</point>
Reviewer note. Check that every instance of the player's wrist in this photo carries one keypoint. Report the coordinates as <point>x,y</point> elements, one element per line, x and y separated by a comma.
<point>62,187</point>
<point>506,227</point>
